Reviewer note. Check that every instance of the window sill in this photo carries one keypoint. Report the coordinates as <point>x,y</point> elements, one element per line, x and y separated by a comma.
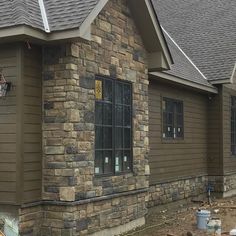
<point>177,140</point>
<point>127,173</point>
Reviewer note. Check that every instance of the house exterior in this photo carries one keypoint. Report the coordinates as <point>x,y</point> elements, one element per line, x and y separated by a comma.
<point>74,126</point>
<point>204,156</point>
<point>106,117</point>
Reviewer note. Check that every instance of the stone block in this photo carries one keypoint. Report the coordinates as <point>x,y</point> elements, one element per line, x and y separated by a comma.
<point>67,194</point>
<point>73,115</point>
<point>54,150</point>
<point>105,26</point>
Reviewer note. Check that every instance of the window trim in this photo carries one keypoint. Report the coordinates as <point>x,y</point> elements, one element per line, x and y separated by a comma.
<point>171,139</point>
<point>114,173</point>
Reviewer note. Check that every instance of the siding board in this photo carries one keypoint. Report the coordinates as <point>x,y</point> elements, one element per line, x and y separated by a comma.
<point>173,159</point>
<point>8,62</point>
<point>32,139</point>
<point>229,160</point>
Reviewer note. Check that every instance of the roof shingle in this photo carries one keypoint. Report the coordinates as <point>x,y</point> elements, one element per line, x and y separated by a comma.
<point>68,14</point>
<point>183,67</point>
<point>62,15</point>
<point>205,30</point>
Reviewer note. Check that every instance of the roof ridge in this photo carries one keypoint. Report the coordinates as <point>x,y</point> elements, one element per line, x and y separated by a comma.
<point>44,16</point>
<point>185,55</point>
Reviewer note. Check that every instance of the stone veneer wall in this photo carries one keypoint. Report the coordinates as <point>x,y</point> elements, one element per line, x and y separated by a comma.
<point>229,185</point>
<point>224,186</point>
<point>116,50</point>
<point>171,191</point>
<point>113,215</point>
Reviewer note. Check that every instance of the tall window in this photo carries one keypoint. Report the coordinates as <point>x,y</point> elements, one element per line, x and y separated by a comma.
<point>173,127</point>
<point>113,126</point>
<point>233,125</point>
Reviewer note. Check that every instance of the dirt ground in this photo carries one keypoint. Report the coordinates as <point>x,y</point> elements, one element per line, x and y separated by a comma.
<point>178,219</point>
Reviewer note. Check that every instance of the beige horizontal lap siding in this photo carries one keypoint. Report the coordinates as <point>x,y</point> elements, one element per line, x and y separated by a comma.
<point>32,122</point>
<point>8,62</point>
<point>215,163</point>
<point>229,160</point>
<point>175,159</point>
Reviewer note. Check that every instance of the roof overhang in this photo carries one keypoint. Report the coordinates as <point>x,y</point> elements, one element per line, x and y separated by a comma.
<point>230,80</point>
<point>159,56</point>
<point>220,81</point>
<point>233,76</point>
<point>171,78</point>
<point>23,32</point>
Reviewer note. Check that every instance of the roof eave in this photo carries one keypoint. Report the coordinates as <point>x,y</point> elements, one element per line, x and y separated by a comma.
<point>160,34</point>
<point>181,81</point>
<point>24,31</point>
<point>220,81</point>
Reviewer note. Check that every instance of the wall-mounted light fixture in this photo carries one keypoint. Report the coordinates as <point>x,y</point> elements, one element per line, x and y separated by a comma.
<point>4,85</point>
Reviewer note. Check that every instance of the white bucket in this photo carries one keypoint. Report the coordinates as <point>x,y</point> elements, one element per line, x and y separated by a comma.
<point>202,218</point>
<point>233,232</point>
<point>214,226</point>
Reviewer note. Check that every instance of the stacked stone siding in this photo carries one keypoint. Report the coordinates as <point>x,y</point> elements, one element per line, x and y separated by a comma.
<point>82,218</point>
<point>176,190</point>
<point>229,185</point>
<point>116,50</point>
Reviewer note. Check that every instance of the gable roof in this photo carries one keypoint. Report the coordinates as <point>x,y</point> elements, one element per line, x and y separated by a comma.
<point>205,30</point>
<point>184,71</point>
<point>48,20</point>
<point>63,15</point>
<point>24,12</point>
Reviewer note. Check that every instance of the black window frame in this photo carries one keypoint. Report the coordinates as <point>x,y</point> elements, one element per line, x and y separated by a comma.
<point>233,126</point>
<point>175,125</point>
<point>114,128</point>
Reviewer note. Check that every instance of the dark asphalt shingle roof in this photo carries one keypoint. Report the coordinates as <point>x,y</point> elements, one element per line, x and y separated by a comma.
<point>20,12</point>
<point>182,66</point>
<point>68,14</point>
<point>205,30</point>
<point>61,15</point>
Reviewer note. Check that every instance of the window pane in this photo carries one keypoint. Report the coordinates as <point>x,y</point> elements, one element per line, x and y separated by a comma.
<point>98,112</point>
<point>107,137</point>
<point>169,118</point>
<point>107,162</point>
<point>127,116</point>
<point>179,132</point>
<point>169,106</point>
<point>127,161</point>
<point>107,90</point>
<point>119,115</point>
<point>180,120</point>
<point>107,116</point>
<point>98,137</point>
<point>98,162</point>
<point>118,161</point>
<point>119,138</point>
<point>169,132</point>
<point>179,107</point>
<point>127,94</point>
<point>119,93</point>
<point>127,138</point>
